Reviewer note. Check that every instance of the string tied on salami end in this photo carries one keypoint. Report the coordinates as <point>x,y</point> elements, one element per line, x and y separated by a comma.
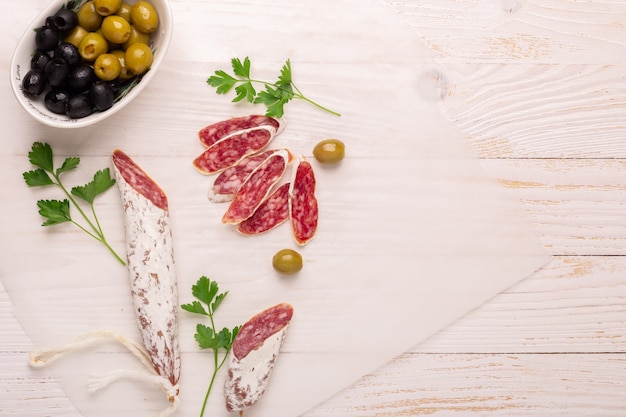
<point>40,358</point>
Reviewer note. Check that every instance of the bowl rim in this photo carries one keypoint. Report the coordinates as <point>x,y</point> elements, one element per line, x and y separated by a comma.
<point>16,71</point>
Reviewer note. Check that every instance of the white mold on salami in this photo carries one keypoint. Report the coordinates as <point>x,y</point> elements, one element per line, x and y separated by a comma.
<point>253,356</point>
<point>151,265</point>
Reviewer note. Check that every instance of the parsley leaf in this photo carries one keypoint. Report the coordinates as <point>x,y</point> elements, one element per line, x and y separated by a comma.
<point>274,95</point>
<point>208,300</point>
<point>102,181</point>
<point>58,211</point>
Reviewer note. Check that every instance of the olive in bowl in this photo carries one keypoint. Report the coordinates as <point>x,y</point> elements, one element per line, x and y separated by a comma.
<point>55,73</point>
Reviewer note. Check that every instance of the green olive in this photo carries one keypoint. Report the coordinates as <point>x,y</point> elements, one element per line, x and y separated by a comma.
<point>107,7</point>
<point>115,29</point>
<point>287,261</point>
<point>121,56</point>
<point>136,37</point>
<point>92,46</point>
<point>138,58</point>
<point>329,151</point>
<point>88,17</point>
<point>76,35</point>
<point>124,11</point>
<point>144,16</point>
<point>107,67</point>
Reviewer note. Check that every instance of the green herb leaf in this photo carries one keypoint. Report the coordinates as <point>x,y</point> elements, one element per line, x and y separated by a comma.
<point>55,211</point>
<point>194,307</point>
<point>101,182</point>
<point>207,337</point>
<point>273,95</point>
<point>36,178</point>
<point>41,156</point>
<point>68,165</point>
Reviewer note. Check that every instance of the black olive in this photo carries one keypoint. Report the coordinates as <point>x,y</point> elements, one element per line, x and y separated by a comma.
<point>56,72</point>
<point>56,101</point>
<point>101,95</point>
<point>39,60</point>
<point>65,20</point>
<point>33,83</point>
<point>81,78</point>
<point>46,38</point>
<point>69,53</point>
<point>78,106</point>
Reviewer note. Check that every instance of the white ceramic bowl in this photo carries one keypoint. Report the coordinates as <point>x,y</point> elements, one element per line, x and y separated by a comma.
<point>20,65</point>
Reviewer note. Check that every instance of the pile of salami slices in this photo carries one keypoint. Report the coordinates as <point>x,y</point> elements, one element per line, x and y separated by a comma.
<point>254,180</point>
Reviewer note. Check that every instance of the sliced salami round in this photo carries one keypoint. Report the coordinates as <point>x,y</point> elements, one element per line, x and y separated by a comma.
<point>229,180</point>
<point>273,211</point>
<point>233,148</point>
<point>256,187</point>
<point>303,207</point>
<point>219,130</point>
<point>253,356</point>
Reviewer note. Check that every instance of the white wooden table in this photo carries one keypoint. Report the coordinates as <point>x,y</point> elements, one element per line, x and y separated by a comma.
<point>539,89</point>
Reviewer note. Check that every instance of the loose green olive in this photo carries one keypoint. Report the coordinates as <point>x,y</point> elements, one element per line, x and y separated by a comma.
<point>138,58</point>
<point>329,151</point>
<point>124,11</point>
<point>144,16</point>
<point>92,46</point>
<point>115,29</point>
<point>76,35</point>
<point>107,7</point>
<point>136,37</point>
<point>88,18</point>
<point>107,67</point>
<point>287,261</point>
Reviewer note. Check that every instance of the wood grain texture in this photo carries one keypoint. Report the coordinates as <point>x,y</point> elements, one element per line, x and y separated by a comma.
<point>538,89</point>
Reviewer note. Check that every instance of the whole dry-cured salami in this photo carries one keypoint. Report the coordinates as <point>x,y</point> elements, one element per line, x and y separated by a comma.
<point>253,356</point>
<point>150,257</point>
<point>273,211</point>
<point>303,207</point>
<point>219,130</point>
<point>229,150</point>
<point>256,187</point>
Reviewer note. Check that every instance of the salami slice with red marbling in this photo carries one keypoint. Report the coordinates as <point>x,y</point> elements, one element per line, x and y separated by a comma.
<point>253,355</point>
<point>303,207</point>
<point>233,148</point>
<point>273,211</point>
<point>219,130</point>
<point>229,180</point>
<point>256,187</point>
<point>150,262</point>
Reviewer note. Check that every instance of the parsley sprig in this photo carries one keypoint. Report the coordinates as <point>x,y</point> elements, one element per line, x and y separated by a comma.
<point>58,211</point>
<point>209,299</point>
<point>274,96</point>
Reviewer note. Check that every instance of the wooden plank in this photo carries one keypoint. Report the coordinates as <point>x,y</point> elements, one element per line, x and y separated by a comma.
<point>576,205</point>
<point>487,385</point>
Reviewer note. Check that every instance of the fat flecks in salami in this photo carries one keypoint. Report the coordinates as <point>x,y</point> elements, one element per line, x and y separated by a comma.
<point>253,355</point>
<point>236,150</point>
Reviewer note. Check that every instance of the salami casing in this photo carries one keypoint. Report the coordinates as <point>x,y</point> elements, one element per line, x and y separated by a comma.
<point>253,356</point>
<point>303,207</point>
<point>273,211</point>
<point>256,187</point>
<point>228,151</point>
<point>219,130</point>
<point>150,257</point>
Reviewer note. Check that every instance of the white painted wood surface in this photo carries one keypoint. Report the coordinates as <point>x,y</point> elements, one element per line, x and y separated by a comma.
<point>538,88</point>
